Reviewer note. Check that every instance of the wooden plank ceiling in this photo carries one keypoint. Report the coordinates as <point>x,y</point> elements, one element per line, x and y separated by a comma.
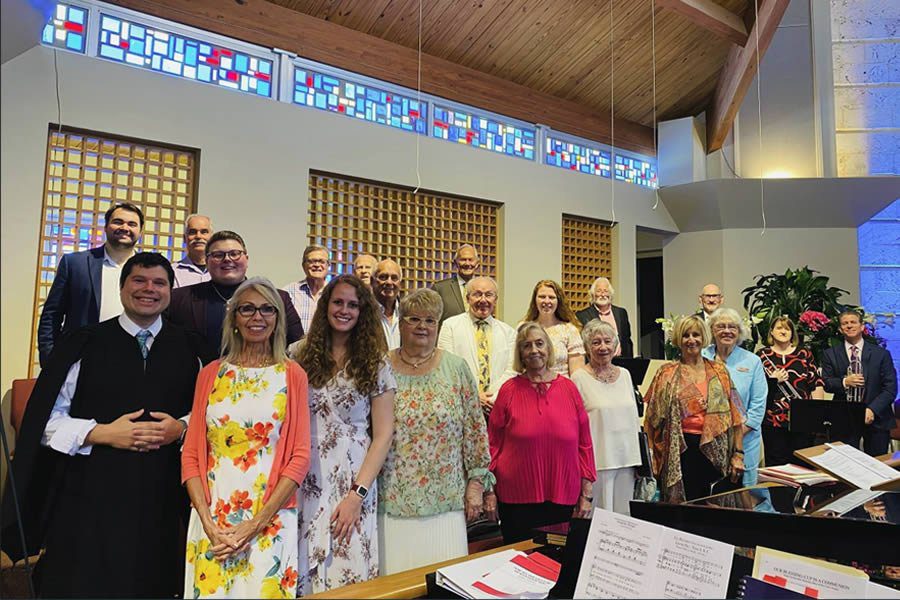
<point>558,47</point>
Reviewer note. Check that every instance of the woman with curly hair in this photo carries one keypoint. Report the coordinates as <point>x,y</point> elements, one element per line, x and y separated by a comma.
<point>351,405</point>
<point>551,310</point>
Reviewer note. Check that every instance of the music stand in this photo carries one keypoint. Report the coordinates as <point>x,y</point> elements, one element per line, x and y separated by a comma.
<point>637,368</point>
<point>836,420</point>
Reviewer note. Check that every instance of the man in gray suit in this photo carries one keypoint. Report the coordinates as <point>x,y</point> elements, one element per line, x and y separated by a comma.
<point>453,289</point>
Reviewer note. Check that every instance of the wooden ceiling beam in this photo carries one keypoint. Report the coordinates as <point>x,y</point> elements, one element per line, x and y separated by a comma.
<point>272,26</point>
<point>710,16</point>
<point>738,72</point>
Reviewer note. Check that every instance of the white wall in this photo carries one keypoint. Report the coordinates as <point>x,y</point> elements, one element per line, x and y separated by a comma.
<point>788,109</point>
<point>731,258</point>
<point>255,159</point>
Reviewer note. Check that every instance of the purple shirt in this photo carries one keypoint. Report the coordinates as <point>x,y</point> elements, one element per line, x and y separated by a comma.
<point>187,273</point>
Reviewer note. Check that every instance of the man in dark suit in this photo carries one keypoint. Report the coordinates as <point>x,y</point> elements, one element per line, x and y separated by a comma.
<point>452,290</point>
<point>878,381</point>
<point>201,307</point>
<point>86,287</point>
<point>603,309</point>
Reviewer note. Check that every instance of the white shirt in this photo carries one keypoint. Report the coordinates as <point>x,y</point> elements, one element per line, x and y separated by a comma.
<point>66,434</point>
<point>849,348</point>
<point>110,301</point>
<point>391,328</point>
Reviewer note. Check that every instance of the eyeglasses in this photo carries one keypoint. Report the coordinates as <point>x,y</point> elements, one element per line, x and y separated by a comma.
<point>387,277</point>
<point>711,296</point>
<point>726,327</point>
<point>416,321</point>
<point>219,255</point>
<point>479,295</point>
<point>248,310</point>
<point>317,261</point>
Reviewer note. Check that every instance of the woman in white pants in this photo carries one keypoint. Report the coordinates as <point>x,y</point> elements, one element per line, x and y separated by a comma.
<point>608,396</point>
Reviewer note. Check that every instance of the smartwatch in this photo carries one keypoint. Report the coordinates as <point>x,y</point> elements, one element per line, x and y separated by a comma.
<point>359,490</point>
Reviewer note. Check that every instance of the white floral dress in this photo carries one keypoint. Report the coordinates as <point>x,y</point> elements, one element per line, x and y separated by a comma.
<point>339,440</point>
<point>243,420</point>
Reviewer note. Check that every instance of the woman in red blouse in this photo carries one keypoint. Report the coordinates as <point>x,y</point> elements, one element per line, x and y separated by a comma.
<point>541,451</point>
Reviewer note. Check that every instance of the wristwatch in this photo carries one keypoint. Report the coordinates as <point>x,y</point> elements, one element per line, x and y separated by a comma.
<point>360,490</point>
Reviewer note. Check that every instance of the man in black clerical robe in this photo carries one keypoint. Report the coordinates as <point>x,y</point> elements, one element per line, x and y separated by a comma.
<point>105,499</point>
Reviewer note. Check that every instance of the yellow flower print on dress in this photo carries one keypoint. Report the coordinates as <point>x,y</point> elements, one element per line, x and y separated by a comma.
<point>229,440</point>
<point>222,386</point>
<point>208,576</point>
<point>280,405</point>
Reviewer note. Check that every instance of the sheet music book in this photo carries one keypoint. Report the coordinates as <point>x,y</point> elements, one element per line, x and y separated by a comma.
<point>756,589</point>
<point>809,576</point>
<point>630,558</point>
<point>507,574</point>
<point>794,475</point>
<point>852,465</point>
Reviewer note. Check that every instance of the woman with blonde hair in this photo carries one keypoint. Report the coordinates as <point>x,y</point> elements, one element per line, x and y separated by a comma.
<point>436,472</point>
<point>351,402</point>
<point>246,451</point>
<point>550,309</point>
<point>693,419</point>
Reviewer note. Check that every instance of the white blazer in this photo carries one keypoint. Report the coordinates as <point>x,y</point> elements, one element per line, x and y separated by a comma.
<point>458,336</point>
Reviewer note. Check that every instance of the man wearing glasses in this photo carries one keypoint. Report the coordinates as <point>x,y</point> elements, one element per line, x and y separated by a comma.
<point>305,293</point>
<point>201,307</point>
<point>485,343</point>
<point>711,298</point>
<point>387,280</point>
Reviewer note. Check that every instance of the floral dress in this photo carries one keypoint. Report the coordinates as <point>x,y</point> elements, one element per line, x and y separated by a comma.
<point>339,440</point>
<point>566,340</point>
<point>243,421</point>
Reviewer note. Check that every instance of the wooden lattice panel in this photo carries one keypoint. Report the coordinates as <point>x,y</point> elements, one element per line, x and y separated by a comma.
<point>86,173</point>
<point>421,232</point>
<point>586,255</point>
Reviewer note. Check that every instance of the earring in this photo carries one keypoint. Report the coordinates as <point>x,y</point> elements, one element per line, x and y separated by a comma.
<point>235,330</point>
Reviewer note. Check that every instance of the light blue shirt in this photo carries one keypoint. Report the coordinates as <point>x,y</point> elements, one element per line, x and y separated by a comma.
<point>746,371</point>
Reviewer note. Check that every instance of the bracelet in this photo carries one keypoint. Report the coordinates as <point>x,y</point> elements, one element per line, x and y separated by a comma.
<point>183,431</point>
<point>741,452</point>
<point>588,498</point>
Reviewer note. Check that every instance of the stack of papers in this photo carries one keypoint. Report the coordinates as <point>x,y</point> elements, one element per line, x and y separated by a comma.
<point>794,475</point>
<point>507,574</point>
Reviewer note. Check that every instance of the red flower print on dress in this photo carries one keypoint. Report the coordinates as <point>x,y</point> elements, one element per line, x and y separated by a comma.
<point>247,460</point>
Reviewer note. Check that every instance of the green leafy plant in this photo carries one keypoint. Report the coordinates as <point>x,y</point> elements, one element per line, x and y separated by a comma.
<point>805,297</point>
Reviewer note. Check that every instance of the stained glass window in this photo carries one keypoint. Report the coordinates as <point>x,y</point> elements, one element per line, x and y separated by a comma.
<point>150,48</point>
<point>88,173</point>
<point>635,170</point>
<point>67,28</point>
<point>577,157</point>
<point>483,132</point>
<point>328,92</point>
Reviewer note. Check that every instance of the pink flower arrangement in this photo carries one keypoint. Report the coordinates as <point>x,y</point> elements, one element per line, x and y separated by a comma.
<point>814,320</point>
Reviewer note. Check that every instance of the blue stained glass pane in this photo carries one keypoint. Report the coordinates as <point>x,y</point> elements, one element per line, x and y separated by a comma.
<point>112,52</point>
<point>357,100</point>
<point>76,15</point>
<point>74,41</point>
<point>47,34</point>
<point>181,56</point>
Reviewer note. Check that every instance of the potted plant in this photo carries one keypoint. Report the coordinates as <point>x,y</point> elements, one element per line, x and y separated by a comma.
<point>805,296</point>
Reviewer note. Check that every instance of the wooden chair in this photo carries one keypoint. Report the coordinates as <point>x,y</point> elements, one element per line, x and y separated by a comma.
<point>21,392</point>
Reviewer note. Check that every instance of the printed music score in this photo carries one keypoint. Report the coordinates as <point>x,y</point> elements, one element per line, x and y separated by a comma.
<point>628,558</point>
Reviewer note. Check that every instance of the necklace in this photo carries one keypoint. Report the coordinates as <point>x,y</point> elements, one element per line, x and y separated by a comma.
<point>219,294</point>
<point>606,376</point>
<point>416,365</point>
<point>256,362</point>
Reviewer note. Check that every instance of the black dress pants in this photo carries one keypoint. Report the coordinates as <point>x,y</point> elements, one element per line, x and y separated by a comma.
<point>697,473</point>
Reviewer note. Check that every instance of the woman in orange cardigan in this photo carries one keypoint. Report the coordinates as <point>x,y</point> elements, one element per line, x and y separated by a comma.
<point>245,453</point>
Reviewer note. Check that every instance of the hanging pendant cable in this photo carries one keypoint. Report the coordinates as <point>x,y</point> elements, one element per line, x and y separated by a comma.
<point>762,190</point>
<point>655,124</point>
<point>612,112</point>
<point>419,101</point>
